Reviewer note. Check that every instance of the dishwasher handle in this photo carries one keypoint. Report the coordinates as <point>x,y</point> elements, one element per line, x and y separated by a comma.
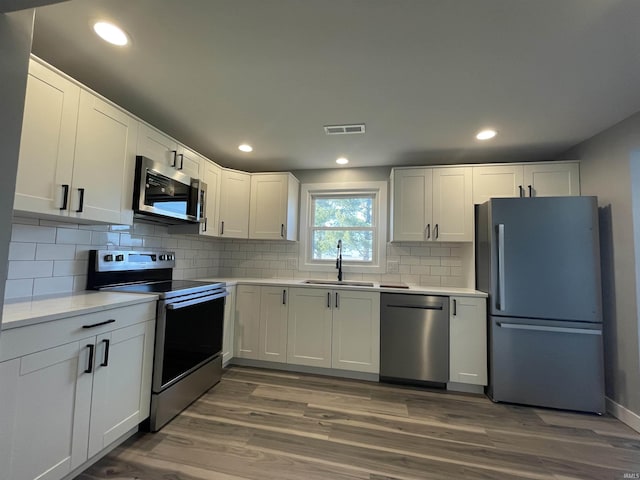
<point>420,307</point>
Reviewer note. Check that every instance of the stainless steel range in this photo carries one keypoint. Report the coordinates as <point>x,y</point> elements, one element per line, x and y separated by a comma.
<point>189,326</point>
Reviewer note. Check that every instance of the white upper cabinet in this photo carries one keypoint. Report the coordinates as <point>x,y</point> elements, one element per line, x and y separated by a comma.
<point>189,162</point>
<point>274,206</point>
<point>432,204</point>
<point>104,162</point>
<point>156,145</point>
<point>235,190</point>
<point>77,152</point>
<point>48,140</point>
<point>544,179</point>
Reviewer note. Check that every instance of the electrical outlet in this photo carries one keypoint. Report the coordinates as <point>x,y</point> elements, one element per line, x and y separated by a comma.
<point>393,266</point>
<point>292,264</point>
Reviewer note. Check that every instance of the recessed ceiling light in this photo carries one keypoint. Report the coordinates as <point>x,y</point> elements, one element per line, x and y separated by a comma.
<point>342,161</point>
<point>245,148</point>
<point>110,33</point>
<point>486,134</point>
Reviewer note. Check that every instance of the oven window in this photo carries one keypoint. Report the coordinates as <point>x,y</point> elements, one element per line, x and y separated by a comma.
<point>192,334</point>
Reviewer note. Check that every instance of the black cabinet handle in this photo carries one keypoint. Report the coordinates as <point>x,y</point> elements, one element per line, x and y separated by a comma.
<point>105,361</point>
<point>175,154</point>
<point>106,322</point>
<point>337,300</point>
<point>435,231</point>
<point>222,228</point>
<point>81,192</point>
<point>455,307</point>
<point>328,299</point>
<point>90,366</point>
<point>530,191</point>
<point>181,161</point>
<point>428,231</point>
<point>284,297</point>
<point>521,191</point>
<point>204,225</point>
<point>282,230</point>
<point>65,196</point>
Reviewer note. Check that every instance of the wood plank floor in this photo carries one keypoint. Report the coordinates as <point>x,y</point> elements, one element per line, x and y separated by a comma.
<point>264,424</point>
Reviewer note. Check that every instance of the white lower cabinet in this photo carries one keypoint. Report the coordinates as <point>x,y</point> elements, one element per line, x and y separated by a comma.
<point>334,329</point>
<point>261,323</point>
<point>62,404</point>
<point>229,324</point>
<point>468,340</point>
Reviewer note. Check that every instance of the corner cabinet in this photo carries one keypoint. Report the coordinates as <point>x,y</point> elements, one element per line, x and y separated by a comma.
<point>432,204</point>
<point>68,393</point>
<point>159,147</point>
<point>235,191</point>
<point>468,340</point>
<point>545,179</point>
<point>273,213</point>
<point>77,152</point>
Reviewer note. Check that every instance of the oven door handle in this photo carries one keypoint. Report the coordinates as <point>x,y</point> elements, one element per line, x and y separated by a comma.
<point>195,301</point>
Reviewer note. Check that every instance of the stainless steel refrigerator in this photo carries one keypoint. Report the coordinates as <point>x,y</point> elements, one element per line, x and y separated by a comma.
<point>539,261</point>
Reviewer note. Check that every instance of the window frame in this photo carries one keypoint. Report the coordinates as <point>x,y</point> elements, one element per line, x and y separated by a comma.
<point>379,192</point>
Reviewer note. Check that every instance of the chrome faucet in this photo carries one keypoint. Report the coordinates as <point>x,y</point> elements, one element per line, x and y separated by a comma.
<point>339,261</point>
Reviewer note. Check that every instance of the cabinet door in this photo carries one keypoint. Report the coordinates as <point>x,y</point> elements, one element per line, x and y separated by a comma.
<point>156,145</point>
<point>552,179</point>
<point>121,392</point>
<point>228,329</point>
<point>273,324</point>
<point>121,383</point>
<point>234,204</point>
<point>105,152</point>
<point>412,205</point>
<point>497,181</point>
<point>189,162</point>
<point>46,410</point>
<point>468,340</point>
<point>47,144</point>
<point>212,176</point>
<point>268,212</point>
<point>356,331</point>
<point>309,327</point>
<point>452,205</point>
<point>247,325</point>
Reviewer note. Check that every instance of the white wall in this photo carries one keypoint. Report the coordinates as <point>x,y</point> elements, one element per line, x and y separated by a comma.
<point>16,30</point>
<point>606,171</point>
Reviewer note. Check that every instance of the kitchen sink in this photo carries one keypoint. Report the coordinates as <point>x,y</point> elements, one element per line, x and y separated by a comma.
<point>339,282</point>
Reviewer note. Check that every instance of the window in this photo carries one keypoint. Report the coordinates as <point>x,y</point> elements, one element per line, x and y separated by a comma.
<point>354,213</point>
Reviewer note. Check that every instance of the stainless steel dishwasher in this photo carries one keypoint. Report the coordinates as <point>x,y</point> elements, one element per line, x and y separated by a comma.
<point>414,338</point>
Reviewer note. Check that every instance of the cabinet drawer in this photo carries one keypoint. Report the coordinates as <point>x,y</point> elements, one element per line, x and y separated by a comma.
<point>21,341</point>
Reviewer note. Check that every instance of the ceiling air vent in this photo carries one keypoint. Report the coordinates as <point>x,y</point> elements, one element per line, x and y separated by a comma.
<point>344,129</point>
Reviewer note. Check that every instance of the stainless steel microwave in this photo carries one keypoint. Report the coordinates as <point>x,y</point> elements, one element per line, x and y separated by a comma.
<point>163,194</point>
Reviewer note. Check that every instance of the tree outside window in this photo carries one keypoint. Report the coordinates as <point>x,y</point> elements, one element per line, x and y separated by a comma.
<point>349,218</point>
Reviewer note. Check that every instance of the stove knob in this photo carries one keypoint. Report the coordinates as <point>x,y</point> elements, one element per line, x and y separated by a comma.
<point>108,258</point>
<point>170,257</point>
<point>119,258</point>
<point>163,258</point>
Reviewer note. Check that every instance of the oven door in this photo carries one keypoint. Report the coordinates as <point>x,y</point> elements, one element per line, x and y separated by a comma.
<point>189,334</point>
<point>162,191</point>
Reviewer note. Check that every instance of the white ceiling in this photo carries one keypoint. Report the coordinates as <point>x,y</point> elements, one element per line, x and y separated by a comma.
<point>424,75</point>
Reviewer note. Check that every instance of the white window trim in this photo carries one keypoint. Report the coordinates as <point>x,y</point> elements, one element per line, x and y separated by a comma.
<point>307,190</point>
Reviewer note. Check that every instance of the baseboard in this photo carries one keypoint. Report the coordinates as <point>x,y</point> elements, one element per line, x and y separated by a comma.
<point>331,372</point>
<point>623,414</point>
<point>465,388</point>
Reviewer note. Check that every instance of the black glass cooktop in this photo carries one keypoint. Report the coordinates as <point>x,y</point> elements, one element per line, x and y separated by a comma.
<point>164,288</point>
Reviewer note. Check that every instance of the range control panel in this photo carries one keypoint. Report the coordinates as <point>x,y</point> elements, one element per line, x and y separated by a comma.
<point>120,260</point>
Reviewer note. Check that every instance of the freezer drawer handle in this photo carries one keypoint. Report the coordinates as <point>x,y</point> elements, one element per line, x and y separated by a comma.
<point>420,307</point>
<point>538,328</point>
<point>501,303</point>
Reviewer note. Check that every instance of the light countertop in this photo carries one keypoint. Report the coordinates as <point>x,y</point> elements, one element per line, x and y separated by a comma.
<point>413,289</point>
<point>45,309</point>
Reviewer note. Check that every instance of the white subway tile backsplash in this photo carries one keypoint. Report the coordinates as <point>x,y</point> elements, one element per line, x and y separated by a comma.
<point>63,268</point>
<point>105,238</point>
<point>22,251</point>
<point>33,233</point>
<point>30,269</point>
<point>439,271</point>
<point>128,240</point>
<point>72,236</point>
<point>51,285</point>
<point>18,288</point>
<point>440,252</point>
<point>53,251</point>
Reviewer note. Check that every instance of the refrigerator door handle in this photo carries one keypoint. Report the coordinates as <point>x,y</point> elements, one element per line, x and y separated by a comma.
<point>501,303</point>
<point>581,331</point>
